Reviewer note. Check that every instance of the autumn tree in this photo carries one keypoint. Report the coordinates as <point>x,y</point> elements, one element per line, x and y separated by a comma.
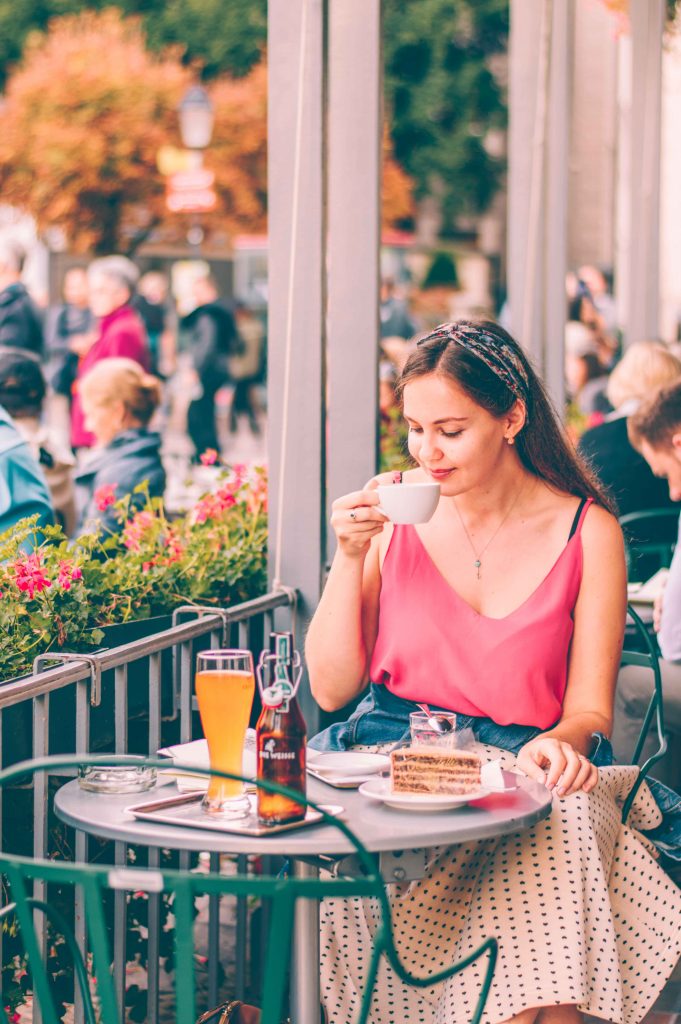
<point>84,117</point>
<point>397,188</point>
<point>223,37</point>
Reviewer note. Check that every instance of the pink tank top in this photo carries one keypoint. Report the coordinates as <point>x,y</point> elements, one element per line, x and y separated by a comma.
<point>433,647</point>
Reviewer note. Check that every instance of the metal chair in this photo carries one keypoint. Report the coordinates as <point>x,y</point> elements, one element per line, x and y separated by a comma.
<point>648,658</point>
<point>282,894</point>
<point>658,553</point>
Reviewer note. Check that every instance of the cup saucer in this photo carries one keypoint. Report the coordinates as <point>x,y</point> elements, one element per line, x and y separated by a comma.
<point>347,762</point>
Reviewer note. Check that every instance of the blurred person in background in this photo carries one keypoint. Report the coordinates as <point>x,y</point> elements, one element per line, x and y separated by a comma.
<point>119,399</point>
<point>600,294</point>
<point>583,308</point>
<point>213,340</point>
<point>23,488</point>
<point>394,313</point>
<point>397,327</point>
<point>152,302</point>
<point>655,431</point>
<point>22,393</point>
<point>585,376</point>
<point>120,331</point>
<point>20,319</point>
<point>645,367</point>
<point>246,369</point>
<point>68,329</point>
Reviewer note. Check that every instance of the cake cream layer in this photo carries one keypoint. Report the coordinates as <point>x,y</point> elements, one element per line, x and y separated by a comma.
<point>421,770</point>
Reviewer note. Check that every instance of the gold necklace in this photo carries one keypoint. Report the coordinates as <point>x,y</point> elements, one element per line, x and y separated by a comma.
<point>478,554</point>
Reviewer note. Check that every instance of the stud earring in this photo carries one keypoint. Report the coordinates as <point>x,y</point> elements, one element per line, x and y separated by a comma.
<point>511,440</point>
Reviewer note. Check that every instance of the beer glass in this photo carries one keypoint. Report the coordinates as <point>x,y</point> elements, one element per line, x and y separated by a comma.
<point>225,684</point>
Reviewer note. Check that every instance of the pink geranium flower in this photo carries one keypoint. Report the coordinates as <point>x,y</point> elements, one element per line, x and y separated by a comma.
<point>29,576</point>
<point>105,496</point>
<point>174,547</point>
<point>209,457</point>
<point>68,572</point>
<point>134,531</point>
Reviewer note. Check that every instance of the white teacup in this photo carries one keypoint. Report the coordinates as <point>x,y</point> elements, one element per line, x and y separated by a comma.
<point>408,503</point>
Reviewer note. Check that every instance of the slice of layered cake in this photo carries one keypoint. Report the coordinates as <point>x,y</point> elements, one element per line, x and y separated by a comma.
<point>434,770</point>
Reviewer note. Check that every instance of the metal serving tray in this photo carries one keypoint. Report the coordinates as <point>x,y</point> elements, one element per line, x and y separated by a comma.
<point>185,810</point>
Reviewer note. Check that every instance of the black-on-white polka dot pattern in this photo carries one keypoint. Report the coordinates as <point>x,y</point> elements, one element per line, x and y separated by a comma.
<point>581,909</point>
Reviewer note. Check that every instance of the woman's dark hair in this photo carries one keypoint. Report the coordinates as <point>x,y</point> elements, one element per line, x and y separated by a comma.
<point>541,444</point>
<point>22,385</point>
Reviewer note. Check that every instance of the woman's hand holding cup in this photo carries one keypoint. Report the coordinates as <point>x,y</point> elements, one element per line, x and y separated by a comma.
<point>355,519</point>
<point>358,517</point>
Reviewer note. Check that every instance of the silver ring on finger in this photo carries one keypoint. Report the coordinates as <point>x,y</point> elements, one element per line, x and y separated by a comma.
<point>353,514</point>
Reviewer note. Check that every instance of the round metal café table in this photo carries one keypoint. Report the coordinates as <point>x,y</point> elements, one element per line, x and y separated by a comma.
<point>381,829</point>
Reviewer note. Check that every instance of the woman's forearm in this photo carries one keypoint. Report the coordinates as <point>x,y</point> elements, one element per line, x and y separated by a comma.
<point>578,730</point>
<point>334,648</point>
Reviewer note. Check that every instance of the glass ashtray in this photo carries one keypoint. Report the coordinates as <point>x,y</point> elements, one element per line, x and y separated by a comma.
<point>129,778</point>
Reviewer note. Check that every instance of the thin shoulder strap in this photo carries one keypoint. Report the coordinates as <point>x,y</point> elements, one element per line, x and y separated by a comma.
<point>579,516</point>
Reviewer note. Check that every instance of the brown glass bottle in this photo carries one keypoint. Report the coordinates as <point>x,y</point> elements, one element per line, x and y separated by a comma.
<point>280,742</point>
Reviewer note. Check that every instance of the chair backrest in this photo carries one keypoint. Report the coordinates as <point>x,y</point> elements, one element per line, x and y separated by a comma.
<point>648,658</point>
<point>95,881</point>
<point>649,537</point>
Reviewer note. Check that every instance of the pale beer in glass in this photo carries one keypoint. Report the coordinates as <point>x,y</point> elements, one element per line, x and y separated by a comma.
<point>225,684</point>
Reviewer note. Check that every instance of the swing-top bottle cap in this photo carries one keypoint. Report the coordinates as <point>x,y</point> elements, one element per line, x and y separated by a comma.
<point>274,696</point>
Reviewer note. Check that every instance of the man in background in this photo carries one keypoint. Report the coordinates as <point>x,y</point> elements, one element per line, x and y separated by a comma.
<point>153,304</point>
<point>68,329</point>
<point>655,430</point>
<point>20,320</point>
<point>213,338</point>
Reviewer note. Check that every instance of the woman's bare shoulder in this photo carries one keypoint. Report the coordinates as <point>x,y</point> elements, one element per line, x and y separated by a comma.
<point>558,508</point>
<point>601,529</point>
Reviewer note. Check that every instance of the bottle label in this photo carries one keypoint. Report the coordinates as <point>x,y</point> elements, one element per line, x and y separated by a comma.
<point>269,752</point>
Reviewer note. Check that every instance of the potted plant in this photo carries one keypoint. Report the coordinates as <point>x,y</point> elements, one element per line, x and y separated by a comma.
<point>61,595</point>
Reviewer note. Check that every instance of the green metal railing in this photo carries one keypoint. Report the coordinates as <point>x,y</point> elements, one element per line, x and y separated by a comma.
<point>282,893</point>
<point>97,699</point>
<point>649,658</point>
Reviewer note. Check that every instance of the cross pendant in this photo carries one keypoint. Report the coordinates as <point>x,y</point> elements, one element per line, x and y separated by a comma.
<point>477,563</point>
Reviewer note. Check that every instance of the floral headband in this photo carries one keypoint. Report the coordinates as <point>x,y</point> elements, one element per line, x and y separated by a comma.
<point>498,356</point>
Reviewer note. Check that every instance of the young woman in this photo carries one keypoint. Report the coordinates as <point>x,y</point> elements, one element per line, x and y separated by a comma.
<point>119,399</point>
<point>508,608</point>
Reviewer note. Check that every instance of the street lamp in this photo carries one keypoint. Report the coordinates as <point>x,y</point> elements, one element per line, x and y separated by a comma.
<point>196,127</point>
<point>196,118</point>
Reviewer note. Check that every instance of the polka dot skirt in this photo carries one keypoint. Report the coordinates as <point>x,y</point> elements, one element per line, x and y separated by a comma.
<point>582,912</point>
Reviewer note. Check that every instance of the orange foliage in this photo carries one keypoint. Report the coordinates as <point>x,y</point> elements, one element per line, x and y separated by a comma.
<point>85,115</point>
<point>238,150</point>
<point>397,202</point>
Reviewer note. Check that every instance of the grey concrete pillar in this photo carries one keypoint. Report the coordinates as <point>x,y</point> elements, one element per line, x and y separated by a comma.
<point>295,374</point>
<point>557,192</point>
<point>540,52</point>
<point>353,239</point>
<point>526,148</point>
<point>643,284</point>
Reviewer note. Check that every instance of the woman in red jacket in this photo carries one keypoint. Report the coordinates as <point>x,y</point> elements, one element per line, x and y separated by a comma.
<point>120,331</point>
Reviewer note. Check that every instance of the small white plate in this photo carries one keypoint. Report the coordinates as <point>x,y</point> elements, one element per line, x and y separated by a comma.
<point>349,762</point>
<point>381,791</point>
